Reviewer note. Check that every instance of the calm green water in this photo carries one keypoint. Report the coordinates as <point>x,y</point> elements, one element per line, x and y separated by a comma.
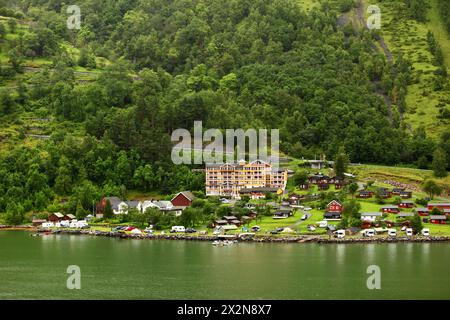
<point>35,268</point>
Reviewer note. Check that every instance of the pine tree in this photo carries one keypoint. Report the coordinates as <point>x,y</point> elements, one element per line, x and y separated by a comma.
<point>108,212</point>
<point>439,163</point>
<point>341,162</point>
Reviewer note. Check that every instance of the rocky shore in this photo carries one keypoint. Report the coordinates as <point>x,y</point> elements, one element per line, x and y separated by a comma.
<point>23,227</point>
<point>256,238</point>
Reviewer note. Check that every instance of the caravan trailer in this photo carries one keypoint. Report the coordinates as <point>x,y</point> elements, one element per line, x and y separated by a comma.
<point>392,233</point>
<point>340,233</point>
<point>368,233</point>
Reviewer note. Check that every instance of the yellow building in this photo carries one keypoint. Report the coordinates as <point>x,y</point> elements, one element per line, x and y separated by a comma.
<point>228,179</point>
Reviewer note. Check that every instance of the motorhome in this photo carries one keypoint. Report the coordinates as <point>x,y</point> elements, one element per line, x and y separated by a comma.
<point>392,233</point>
<point>369,233</point>
<point>340,233</point>
<point>47,225</point>
<point>65,223</point>
<point>178,229</point>
<point>409,232</point>
<point>426,232</point>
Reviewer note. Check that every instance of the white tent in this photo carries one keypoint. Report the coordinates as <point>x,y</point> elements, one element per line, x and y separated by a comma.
<point>136,231</point>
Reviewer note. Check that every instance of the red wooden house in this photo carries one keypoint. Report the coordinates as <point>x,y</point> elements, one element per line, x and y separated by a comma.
<point>438,219</point>
<point>390,209</point>
<point>397,191</point>
<point>364,194</point>
<point>334,206</point>
<point>323,186</point>
<point>440,205</point>
<point>422,211</point>
<point>406,194</point>
<point>55,217</point>
<point>406,204</point>
<point>304,186</point>
<point>294,199</point>
<point>339,185</point>
<point>183,199</point>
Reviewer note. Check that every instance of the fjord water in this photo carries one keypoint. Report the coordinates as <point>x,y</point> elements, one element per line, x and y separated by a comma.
<point>35,268</point>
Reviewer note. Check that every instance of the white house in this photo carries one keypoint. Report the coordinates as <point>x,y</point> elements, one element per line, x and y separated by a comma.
<point>163,206</point>
<point>147,204</point>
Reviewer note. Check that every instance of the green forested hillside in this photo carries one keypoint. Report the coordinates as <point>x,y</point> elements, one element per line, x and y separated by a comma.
<point>90,112</point>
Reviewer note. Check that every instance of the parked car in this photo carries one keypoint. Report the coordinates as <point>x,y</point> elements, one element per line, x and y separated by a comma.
<point>190,230</point>
<point>426,232</point>
<point>274,232</point>
<point>304,217</point>
<point>311,228</point>
<point>280,229</point>
<point>409,232</point>
<point>256,228</point>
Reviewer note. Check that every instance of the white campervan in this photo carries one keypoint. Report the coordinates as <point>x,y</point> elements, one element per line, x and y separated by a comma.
<point>392,233</point>
<point>47,225</point>
<point>426,232</point>
<point>409,232</point>
<point>178,229</point>
<point>369,233</point>
<point>65,223</point>
<point>340,233</point>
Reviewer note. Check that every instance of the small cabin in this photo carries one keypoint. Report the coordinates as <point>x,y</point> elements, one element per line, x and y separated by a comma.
<point>422,211</point>
<point>406,204</point>
<point>183,199</point>
<point>440,205</point>
<point>294,199</point>
<point>55,217</point>
<point>406,194</point>
<point>364,194</point>
<point>323,186</point>
<point>390,209</point>
<point>304,186</point>
<point>397,191</point>
<point>69,217</point>
<point>438,219</point>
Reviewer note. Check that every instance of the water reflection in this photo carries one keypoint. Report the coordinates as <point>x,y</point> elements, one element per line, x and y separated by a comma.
<point>150,269</point>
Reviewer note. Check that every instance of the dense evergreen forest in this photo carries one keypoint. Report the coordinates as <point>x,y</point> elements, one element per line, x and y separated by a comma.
<point>163,64</point>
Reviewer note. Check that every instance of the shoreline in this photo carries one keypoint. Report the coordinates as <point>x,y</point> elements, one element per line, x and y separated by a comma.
<point>257,239</point>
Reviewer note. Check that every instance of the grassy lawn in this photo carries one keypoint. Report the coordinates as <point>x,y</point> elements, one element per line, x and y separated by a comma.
<point>406,175</point>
